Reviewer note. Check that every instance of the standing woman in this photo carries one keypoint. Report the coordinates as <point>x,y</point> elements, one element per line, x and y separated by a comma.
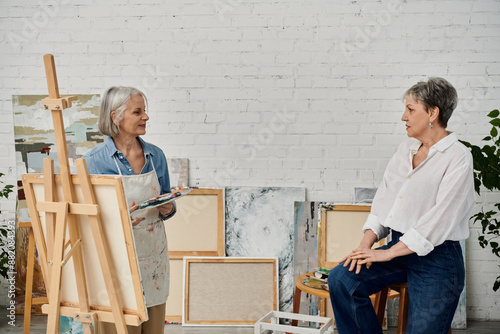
<point>144,172</point>
<point>424,200</point>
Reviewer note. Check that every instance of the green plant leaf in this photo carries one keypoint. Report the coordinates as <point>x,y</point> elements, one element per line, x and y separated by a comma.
<point>494,113</point>
<point>495,122</point>
<point>496,285</point>
<point>490,180</point>
<point>467,144</point>
<point>486,164</point>
<point>477,185</point>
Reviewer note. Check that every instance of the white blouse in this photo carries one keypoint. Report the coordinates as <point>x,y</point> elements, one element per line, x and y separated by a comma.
<point>429,204</point>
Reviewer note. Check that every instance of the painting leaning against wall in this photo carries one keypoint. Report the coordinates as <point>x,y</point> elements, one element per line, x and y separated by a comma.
<point>305,255</point>
<point>35,140</point>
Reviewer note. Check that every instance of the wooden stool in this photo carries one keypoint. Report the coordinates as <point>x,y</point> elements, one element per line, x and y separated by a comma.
<point>378,300</point>
<point>402,288</point>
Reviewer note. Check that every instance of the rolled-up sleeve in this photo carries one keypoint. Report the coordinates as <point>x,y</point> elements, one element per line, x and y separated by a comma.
<point>373,224</point>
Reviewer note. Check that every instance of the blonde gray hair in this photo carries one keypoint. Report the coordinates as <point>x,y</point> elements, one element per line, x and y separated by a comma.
<point>115,99</point>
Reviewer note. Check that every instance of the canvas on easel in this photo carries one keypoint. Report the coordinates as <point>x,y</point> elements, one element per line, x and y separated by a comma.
<point>118,233</point>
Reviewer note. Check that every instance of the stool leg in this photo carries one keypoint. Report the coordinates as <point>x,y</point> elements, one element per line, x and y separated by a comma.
<point>403,310</point>
<point>322,306</point>
<point>296,304</point>
<point>379,304</point>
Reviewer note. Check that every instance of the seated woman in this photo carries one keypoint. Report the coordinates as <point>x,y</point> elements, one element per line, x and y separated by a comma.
<point>424,201</point>
<point>144,172</point>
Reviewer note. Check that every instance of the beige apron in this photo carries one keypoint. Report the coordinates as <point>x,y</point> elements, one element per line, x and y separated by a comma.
<point>149,237</point>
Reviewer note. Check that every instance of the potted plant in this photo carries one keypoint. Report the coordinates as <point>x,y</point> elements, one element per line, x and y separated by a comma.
<point>487,173</point>
<point>4,255</point>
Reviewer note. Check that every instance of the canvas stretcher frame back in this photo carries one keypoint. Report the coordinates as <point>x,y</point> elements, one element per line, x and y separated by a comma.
<point>340,231</point>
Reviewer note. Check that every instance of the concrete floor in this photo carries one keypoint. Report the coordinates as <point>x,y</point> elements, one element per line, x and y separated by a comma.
<point>39,326</point>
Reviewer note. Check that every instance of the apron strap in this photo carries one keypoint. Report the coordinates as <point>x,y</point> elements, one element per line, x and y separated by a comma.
<point>152,164</point>
<point>117,167</point>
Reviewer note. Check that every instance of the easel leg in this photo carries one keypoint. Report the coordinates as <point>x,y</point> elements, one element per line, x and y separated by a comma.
<point>29,282</point>
<point>55,280</point>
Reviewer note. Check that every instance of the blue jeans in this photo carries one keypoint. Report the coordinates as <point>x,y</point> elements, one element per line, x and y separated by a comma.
<point>435,282</point>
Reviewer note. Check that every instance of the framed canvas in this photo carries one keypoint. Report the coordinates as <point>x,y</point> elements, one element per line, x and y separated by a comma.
<point>197,229</point>
<point>229,291</point>
<point>340,231</point>
<point>173,310</point>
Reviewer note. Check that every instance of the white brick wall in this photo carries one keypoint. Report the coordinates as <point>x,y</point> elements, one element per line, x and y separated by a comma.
<point>283,93</point>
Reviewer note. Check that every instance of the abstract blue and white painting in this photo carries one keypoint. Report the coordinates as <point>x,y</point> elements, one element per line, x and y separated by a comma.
<point>306,217</point>
<point>70,326</point>
<point>260,223</point>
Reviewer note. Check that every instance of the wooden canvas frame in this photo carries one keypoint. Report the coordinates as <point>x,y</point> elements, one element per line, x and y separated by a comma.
<point>348,220</point>
<point>173,309</point>
<point>239,291</point>
<point>197,229</point>
<point>118,234</point>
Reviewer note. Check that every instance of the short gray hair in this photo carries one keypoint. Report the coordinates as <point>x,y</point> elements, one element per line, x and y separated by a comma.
<point>115,99</point>
<point>436,92</point>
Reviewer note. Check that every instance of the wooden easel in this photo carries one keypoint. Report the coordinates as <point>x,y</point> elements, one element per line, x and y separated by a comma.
<point>63,214</point>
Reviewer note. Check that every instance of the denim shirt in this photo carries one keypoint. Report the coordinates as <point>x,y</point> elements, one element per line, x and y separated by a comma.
<point>101,160</point>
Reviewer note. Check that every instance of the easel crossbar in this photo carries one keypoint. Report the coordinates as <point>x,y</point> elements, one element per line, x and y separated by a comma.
<point>74,208</point>
<point>71,251</point>
<point>99,315</point>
